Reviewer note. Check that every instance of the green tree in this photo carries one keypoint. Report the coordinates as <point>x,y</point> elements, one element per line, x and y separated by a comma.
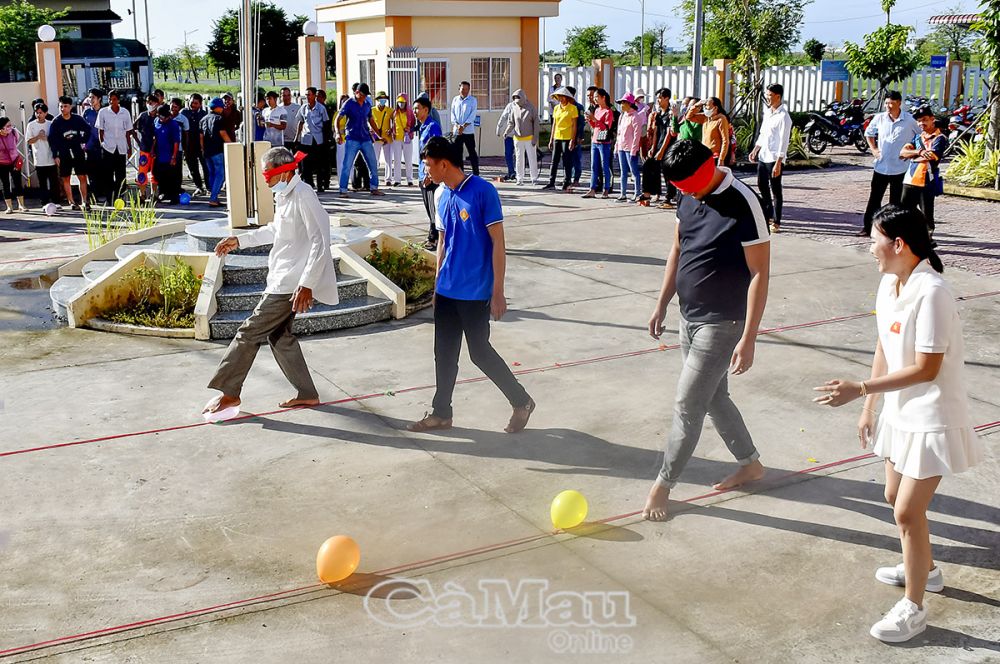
<point>331,58</point>
<point>19,23</point>
<point>988,48</point>
<point>814,50</point>
<point>715,42</point>
<point>278,37</point>
<point>166,63</point>
<point>586,44</point>
<point>885,56</point>
<point>887,6</point>
<point>651,47</point>
<point>190,60</point>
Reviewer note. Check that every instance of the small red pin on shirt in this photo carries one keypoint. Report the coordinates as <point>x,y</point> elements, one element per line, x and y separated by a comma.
<point>895,327</point>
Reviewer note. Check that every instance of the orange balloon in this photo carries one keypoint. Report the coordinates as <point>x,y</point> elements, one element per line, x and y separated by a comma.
<point>337,559</point>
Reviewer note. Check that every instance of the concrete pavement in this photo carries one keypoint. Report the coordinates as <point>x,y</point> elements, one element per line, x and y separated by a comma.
<point>126,526</point>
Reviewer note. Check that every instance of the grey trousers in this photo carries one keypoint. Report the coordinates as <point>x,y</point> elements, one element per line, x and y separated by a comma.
<point>271,321</point>
<point>703,389</point>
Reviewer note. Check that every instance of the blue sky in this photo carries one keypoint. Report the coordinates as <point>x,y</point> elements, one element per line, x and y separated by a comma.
<point>830,21</point>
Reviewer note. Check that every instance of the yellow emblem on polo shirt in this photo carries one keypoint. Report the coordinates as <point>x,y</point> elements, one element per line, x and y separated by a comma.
<point>464,214</point>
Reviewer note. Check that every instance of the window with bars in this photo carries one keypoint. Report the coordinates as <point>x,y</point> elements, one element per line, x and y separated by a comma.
<point>368,72</point>
<point>491,82</point>
<point>434,80</point>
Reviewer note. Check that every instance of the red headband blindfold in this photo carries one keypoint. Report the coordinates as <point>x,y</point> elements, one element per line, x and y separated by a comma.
<point>277,170</point>
<point>699,179</point>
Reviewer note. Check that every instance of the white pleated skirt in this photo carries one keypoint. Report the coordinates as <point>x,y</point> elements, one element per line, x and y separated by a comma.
<point>921,455</point>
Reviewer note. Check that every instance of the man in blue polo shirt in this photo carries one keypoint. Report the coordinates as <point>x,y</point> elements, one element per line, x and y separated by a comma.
<point>719,268</point>
<point>428,130</point>
<point>471,263</point>
<point>360,126</point>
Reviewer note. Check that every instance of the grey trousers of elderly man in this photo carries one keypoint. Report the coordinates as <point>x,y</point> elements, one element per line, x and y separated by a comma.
<point>271,321</point>
<point>703,389</point>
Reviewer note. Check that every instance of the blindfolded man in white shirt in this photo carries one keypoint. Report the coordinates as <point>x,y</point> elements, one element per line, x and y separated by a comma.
<point>300,268</point>
<point>770,152</point>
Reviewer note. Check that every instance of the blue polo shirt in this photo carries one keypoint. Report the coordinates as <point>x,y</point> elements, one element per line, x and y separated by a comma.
<point>167,135</point>
<point>464,214</point>
<point>428,130</point>
<point>892,136</point>
<point>357,116</point>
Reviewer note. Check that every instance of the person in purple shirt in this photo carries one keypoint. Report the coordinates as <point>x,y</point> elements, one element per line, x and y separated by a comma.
<point>166,153</point>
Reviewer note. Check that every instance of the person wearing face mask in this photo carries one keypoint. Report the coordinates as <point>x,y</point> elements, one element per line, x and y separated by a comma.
<point>10,166</point>
<point>300,269</point>
<point>403,121</point>
<point>715,131</point>
<point>145,128</point>
<point>382,115</point>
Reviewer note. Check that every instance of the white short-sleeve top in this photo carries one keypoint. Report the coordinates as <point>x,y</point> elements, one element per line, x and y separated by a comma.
<point>923,318</point>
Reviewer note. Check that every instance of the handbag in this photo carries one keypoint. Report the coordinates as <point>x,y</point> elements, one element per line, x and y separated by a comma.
<point>602,136</point>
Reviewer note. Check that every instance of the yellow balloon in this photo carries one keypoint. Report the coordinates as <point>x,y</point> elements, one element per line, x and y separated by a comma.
<point>337,559</point>
<point>119,204</point>
<point>569,509</point>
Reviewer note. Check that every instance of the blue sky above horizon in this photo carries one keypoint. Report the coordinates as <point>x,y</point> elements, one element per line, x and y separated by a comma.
<point>830,21</point>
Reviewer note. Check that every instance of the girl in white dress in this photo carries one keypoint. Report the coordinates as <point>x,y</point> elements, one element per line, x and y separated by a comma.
<point>924,432</point>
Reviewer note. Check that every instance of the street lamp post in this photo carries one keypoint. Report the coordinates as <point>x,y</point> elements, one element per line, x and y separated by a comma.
<point>642,30</point>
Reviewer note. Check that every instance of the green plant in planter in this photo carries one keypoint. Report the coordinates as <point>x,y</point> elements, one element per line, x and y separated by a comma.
<point>162,296</point>
<point>975,165</point>
<point>105,224</point>
<point>405,268</point>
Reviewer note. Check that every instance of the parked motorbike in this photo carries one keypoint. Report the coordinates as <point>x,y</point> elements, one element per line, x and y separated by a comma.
<point>838,124</point>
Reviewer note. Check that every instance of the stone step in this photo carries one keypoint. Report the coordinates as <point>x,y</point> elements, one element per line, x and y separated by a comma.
<point>241,269</point>
<point>244,297</point>
<point>321,318</point>
<point>62,291</point>
<point>93,270</point>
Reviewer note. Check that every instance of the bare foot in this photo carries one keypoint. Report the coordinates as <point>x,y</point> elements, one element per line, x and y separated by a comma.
<point>656,503</point>
<point>292,403</point>
<point>750,473</point>
<point>221,402</point>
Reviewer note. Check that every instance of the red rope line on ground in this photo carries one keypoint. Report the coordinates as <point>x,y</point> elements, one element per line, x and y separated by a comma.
<point>488,548</point>
<point>467,381</point>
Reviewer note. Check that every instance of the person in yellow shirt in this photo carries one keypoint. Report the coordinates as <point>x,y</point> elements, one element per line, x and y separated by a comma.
<point>382,114</point>
<point>563,140</point>
<point>403,122</point>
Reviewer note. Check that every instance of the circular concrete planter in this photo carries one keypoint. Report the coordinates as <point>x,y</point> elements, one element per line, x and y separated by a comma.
<point>105,325</point>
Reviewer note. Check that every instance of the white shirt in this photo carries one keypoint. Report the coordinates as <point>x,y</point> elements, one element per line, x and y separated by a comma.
<point>40,149</point>
<point>924,319</point>
<point>291,111</point>
<point>115,127</point>
<point>275,115</point>
<point>300,234</point>
<point>775,132</point>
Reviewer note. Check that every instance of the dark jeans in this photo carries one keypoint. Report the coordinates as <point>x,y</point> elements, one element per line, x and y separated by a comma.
<point>114,162</point>
<point>323,173</point>
<point>427,194</point>
<point>920,198</point>
<point>467,142</point>
<point>452,319</point>
<point>768,185</point>
<point>576,162</point>
<point>49,189</point>
<point>10,181</point>
<point>561,155</point>
<point>361,178</point>
<point>671,189</point>
<point>168,181</point>
<point>196,166</point>
<point>879,184</point>
<point>314,164</point>
<point>508,155</point>
<point>97,174</point>
<point>652,177</point>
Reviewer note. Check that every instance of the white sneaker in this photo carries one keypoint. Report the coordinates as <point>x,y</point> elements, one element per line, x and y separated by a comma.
<point>902,623</point>
<point>894,576</point>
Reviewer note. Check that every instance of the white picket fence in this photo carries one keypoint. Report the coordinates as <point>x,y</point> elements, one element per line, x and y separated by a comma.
<point>679,80</point>
<point>804,88</point>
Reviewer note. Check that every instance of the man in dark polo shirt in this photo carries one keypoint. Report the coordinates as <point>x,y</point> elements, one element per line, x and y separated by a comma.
<point>718,267</point>
<point>471,261</point>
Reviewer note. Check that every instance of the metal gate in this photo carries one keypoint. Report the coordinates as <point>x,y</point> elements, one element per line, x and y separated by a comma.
<point>403,72</point>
